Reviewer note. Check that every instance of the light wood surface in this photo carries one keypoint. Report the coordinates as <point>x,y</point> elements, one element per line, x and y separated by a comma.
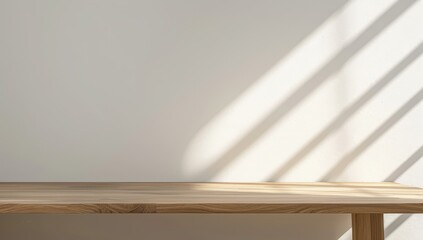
<point>367,226</point>
<point>209,198</point>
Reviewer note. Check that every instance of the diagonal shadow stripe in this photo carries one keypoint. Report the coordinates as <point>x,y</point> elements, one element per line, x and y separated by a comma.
<point>348,112</point>
<point>407,164</point>
<point>375,135</point>
<point>396,224</point>
<point>331,67</point>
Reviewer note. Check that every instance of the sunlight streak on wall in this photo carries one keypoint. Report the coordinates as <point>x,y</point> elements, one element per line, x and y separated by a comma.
<point>234,122</point>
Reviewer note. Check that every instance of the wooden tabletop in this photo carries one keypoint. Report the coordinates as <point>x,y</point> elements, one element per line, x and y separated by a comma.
<point>210,198</point>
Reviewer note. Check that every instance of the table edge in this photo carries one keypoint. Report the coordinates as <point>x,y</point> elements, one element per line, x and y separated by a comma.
<point>209,208</point>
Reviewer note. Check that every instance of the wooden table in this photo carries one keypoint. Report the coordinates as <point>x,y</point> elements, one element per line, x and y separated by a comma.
<point>366,202</point>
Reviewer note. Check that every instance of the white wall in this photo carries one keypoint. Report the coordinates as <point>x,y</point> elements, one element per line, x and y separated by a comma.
<point>210,91</point>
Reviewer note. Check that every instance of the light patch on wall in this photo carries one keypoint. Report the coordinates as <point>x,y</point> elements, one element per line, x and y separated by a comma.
<point>229,136</point>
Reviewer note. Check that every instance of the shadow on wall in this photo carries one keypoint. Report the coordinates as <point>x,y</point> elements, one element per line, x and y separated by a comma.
<point>310,85</point>
<point>351,110</point>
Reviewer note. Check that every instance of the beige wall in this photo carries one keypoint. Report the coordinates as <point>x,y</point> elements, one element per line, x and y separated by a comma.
<point>209,91</point>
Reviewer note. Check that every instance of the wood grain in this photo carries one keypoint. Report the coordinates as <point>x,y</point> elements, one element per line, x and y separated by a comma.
<point>209,198</point>
<point>367,227</point>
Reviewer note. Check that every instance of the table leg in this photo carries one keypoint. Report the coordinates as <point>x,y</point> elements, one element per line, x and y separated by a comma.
<point>367,226</point>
